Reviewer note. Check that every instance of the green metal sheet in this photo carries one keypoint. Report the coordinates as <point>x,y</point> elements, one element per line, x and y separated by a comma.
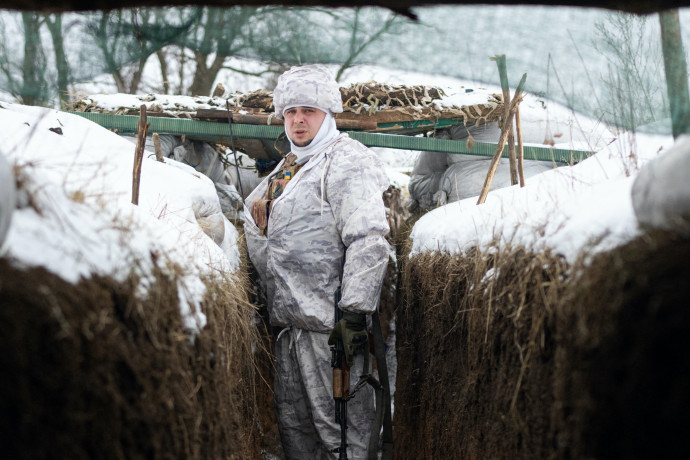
<point>219,132</point>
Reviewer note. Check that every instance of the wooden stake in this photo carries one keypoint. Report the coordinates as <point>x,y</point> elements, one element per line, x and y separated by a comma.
<point>503,75</point>
<point>139,155</point>
<point>502,140</point>
<point>157,147</point>
<point>676,71</point>
<point>521,150</point>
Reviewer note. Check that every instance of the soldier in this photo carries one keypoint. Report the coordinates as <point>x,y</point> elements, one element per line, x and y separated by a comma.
<point>315,223</point>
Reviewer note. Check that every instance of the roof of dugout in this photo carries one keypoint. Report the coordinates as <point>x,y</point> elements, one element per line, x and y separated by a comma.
<point>401,6</point>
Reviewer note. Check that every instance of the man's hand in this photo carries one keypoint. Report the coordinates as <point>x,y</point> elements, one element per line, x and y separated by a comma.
<point>352,330</point>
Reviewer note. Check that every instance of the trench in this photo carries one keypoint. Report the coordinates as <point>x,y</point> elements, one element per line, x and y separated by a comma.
<point>550,365</point>
<point>547,360</point>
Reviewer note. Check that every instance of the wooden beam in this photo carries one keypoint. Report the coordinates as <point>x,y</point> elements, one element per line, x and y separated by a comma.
<point>139,155</point>
<point>521,149</point>
<point>505,88</point>
<point>269,119</point>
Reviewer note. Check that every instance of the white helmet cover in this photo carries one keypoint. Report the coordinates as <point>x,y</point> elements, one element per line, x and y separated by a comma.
<point>309,85</point>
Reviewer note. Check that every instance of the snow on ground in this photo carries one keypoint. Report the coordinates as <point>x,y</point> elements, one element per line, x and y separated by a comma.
<point>75,215</point>
<point>541,121</point>
<point>585,207</point>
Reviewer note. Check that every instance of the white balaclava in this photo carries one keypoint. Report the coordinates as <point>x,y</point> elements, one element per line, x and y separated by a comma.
<point>309,86</point>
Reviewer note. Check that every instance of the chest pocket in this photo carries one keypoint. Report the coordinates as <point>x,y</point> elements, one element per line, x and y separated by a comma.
<point>261,208</point>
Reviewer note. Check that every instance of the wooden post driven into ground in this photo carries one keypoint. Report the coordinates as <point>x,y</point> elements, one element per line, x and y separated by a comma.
<point>676,71</point>
<point>503,75</point>
<point>139,155</point>
<point>502,140</point>
<point>520,146</point>
<point>157,147</point>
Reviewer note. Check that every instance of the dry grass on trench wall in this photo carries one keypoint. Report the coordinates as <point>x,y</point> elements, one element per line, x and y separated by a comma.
<point>507,354</point>
<point>468,386</point>
<point>90,371</point>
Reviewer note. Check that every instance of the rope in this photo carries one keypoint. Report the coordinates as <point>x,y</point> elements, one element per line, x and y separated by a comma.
<point>232,146</point>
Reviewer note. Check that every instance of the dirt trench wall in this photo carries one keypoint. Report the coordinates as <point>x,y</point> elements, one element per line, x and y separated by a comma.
<point>541,360</point>
<point>89,371</point>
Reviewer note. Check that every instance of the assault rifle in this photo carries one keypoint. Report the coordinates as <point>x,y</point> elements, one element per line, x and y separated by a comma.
<point>341,384</point>
<point>342,391</point>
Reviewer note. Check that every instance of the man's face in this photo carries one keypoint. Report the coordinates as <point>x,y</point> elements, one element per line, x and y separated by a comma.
<point>302,124</point>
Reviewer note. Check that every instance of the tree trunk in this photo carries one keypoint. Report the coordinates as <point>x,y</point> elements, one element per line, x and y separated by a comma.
<point>183,62</point>
<point>163,60</point>
<point>119,82</point>
<point>205,76</point>
<point>33,87</point>
<point>63,69</point>
<point>136,76</point>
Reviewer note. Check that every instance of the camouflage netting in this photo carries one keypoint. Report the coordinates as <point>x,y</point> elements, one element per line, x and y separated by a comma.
<point>420,102</point>
<point>508,354</point>
<point>92,371</point>
<point>382,103</point>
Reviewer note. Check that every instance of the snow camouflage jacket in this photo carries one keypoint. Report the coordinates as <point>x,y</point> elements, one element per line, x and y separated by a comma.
<point>333,204</point>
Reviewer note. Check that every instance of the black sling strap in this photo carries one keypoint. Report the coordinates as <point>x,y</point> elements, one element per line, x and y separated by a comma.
<point>383,398</point>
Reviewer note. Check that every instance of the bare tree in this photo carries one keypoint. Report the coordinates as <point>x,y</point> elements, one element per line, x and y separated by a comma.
<point>127,38</point>
<point>54,24</point>
<point>219,36</point>
<point>111,39</point>
<point>295,35</point>
<point>34,87</point>
<point>304,35</point>
<point>366,28</point>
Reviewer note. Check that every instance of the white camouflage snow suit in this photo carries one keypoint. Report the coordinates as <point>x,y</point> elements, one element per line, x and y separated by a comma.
<point>331,209</point>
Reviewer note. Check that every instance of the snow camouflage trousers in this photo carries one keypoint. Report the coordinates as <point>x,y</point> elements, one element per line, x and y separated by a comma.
<point>304,399</point>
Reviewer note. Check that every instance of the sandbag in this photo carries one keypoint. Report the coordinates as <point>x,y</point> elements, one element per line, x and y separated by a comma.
<point>488,132</point>
<point>466,175</point>
<point>423,189</point>
<point>197,154</point>
<point>661,190</point>
<point>430,168</point>
<point>210,218</point>
<point>7,197</point>
<point>202,157</point>
<point>441,178</point>
<point>230,201</point>
<point>248,174</point>
<point>168,143</point>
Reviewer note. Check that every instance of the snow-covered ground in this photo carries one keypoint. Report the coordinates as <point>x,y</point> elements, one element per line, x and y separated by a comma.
<point>586,207</point>
<point>74,214</point>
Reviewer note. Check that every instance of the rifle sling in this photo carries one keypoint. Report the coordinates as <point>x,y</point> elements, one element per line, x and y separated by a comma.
<point>383,398</point>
